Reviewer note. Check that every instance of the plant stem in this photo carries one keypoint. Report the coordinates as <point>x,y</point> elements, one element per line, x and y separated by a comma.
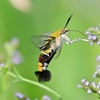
<point>10,73</point>
<point>41,86</point>
<point>17,75</point>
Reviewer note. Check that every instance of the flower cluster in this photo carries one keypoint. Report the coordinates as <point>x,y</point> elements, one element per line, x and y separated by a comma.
<point>21,96</point>
<point>9,55</point>
<point>90,87</point>
<point>9,50</point>
<point>93,35</point>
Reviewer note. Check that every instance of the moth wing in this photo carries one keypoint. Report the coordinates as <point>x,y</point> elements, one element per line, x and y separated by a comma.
<point>43,42</point>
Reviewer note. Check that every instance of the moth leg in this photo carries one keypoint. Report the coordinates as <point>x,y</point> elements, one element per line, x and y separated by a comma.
<point>78,39</point>
<point>68,41</point>
<point>82,39</point>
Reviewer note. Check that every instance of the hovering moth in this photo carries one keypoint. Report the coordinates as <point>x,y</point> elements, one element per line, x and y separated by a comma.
<point>49,45</point>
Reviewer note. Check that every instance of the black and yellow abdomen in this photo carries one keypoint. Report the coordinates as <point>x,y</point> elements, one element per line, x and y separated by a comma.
<point>43,74</point>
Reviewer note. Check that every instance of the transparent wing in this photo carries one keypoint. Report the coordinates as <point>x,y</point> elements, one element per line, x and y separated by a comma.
<point>42,42</point>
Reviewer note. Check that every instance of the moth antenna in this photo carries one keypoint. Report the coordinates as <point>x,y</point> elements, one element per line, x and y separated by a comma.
<point>43,76</point>
<point>68,21</point>
<point>79,32</point>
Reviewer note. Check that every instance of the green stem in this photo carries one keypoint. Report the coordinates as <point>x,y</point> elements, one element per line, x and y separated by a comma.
<point>33,82</point>
<point>10,73</point>
<point>41,86</point>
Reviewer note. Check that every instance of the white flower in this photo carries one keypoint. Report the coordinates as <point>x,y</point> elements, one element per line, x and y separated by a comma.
<point>83,80</point>
<point>91,43</point>
<point>98,42</point>
<point>89,91</point>
<point>95,74</point>
<point>98,70</point>
<point>96,29</point>
<point>98,58</point>
<point>19,95</point>
<point>93,84</point>
<point>98,85</point>
<point>87,32</point>
<point>98,66</point>
<point>79,86</point>
<point>87,83</point>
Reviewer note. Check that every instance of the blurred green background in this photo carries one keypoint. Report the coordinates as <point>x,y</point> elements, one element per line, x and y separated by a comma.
<point>24,18</point>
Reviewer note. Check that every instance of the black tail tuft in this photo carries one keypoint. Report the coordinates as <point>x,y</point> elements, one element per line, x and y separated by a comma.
<point>43,76</point>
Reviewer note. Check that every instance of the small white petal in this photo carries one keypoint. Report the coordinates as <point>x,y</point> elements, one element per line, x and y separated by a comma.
<point>98,58</point>
<point>98,85</point>
<point>98,70</point>
<point>95,74</point>
<point>78,86</point>
<point>89,37</point>
<point>94,37</point>
<point>89,91</point>
<point>98,42</point>
<point>93,84</point>
<point>91,43</point>
<point>87,83</point>
<point>83,80</point>
<point>96,28</point>
<point>87,32</point>
<point>98,66</point>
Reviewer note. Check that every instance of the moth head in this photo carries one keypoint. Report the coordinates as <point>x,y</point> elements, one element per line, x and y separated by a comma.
<point>64,31</point>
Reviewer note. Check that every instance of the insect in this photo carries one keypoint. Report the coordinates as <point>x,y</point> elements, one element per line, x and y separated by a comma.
<point>50,44</point>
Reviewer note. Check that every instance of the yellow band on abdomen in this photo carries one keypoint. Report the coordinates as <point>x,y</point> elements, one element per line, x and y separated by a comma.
<point>40,66</point>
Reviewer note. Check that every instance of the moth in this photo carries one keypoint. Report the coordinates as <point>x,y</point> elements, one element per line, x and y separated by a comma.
<point>49,45</point>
